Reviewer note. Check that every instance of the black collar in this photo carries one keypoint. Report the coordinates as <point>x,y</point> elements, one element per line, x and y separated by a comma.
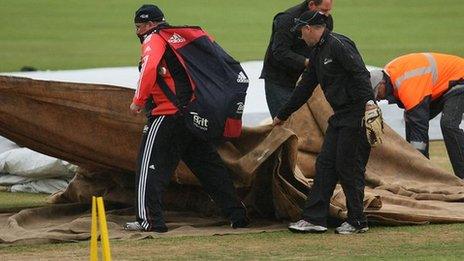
<point>324,37</point>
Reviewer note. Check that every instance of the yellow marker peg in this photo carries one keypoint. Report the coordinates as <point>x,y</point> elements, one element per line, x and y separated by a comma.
<point>103,230</point>
<point>93,232</point>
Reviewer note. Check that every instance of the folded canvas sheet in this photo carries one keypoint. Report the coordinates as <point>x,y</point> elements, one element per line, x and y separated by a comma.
<point>271,167</point>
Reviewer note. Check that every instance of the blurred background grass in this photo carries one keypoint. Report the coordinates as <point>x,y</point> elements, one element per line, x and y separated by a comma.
<point>12,202</point>
<point>71,34</point>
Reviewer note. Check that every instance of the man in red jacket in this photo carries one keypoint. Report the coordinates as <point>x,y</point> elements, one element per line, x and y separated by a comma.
<point>166,140</point>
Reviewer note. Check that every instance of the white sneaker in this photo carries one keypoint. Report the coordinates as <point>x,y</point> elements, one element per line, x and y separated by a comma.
<point>347,229</point>
<point>133,226</point>
<point>303,226</point>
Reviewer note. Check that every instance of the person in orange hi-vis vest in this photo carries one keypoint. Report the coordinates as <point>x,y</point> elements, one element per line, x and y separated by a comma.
<point>425,84</point>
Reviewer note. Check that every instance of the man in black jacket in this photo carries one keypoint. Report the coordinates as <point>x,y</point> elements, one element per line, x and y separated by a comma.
<point>338,67</point>
<point>287,54</point>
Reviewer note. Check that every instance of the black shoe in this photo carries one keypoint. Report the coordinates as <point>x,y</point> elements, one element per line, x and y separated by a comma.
<point>240,223</point>
<point>160,229</point>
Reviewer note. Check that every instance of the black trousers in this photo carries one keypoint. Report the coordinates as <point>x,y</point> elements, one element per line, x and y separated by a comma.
<point>343,158</point>
<point>453,135</point>
<point>165,142</point>
<point>276,96</point>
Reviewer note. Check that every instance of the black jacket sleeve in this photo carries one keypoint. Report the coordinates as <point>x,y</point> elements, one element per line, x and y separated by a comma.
<point>350,59</point>
<point>283,41</point>
<point>301,93</point>
<point>417,126</point>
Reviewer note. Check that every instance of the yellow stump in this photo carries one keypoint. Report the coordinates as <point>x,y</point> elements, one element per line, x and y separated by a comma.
<point>98,209</point>
<point>93,232</point>
<point>103,230</point>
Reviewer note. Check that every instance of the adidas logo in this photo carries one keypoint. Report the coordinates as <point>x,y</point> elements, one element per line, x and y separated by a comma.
<point>152,167</point>
<point>240,107</point>
<point>242,78</point>
<point>147,49</point>
<point>175,38</point>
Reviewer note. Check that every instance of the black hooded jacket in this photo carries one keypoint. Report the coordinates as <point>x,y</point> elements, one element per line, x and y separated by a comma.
<point>286,53</point>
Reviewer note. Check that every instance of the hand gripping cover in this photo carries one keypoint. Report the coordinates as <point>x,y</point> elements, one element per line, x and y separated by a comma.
<point>373,121</point>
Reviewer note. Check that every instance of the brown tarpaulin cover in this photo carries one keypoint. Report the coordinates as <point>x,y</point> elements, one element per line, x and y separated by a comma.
<point>90,125</point>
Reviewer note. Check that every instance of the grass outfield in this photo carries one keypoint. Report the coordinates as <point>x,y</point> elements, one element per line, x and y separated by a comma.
<point>71,34</point>
<point>434,242</point>
<point>12,202</point>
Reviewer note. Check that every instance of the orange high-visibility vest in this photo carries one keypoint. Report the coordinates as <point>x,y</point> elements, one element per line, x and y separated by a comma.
<point>418,75</point>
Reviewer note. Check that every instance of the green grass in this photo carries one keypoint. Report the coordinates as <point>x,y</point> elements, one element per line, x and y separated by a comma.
<point>13,201</point>
<point>384,30</point>
<point>50,34</point>
<point>404,243</point>
<point>439,156</point>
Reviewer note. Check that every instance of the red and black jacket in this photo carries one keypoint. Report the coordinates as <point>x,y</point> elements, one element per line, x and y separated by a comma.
<point>159,60</point>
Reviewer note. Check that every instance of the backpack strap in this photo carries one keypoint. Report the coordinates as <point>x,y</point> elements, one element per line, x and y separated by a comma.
<point>168,92</point>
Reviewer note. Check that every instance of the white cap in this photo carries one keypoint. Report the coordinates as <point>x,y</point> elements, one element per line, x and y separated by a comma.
<point>376,78</point>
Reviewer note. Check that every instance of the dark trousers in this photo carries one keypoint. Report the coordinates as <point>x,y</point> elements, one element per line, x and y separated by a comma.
<point>165,142</point>
<point>451,118</point>
<point>276,96</point>
<point>343,158</point>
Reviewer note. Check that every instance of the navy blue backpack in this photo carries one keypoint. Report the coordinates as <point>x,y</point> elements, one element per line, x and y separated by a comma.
<point>219,84</point>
